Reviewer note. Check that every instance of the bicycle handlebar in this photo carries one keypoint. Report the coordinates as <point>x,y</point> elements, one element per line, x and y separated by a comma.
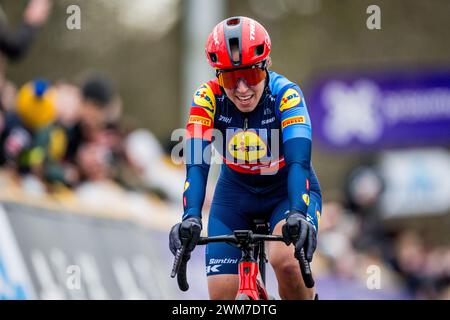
<point>180,263</point>
<point>255,238</point>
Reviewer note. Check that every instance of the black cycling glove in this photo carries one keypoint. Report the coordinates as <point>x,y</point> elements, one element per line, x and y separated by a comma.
<point>301,233</point>
<point>188,231</point>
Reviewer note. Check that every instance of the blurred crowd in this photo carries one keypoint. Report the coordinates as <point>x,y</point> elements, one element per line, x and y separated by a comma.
<point>70,139</point>
<point>354,248</point>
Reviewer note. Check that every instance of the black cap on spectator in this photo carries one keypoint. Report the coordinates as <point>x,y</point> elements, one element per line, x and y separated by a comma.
<point>99,90</point>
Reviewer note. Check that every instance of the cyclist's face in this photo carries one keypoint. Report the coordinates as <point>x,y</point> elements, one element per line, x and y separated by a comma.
<point>245,97</point>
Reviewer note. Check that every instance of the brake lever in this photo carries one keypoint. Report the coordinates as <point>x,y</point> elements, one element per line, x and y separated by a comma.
<point>305,269</point>
<point>177,261</point>
<point>182,276</point>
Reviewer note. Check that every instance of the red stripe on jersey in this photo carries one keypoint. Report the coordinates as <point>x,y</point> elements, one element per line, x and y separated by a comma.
<point>258,168</point>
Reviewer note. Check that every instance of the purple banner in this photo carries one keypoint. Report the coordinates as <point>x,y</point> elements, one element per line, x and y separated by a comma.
<point>381,110</point>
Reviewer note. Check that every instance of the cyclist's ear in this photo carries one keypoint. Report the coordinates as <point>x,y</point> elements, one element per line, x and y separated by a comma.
<point>269,62</point>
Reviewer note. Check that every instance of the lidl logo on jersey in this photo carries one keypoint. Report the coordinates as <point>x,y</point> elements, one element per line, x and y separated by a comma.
<point>204,97</point>
<point>290,99</point>
<point>247,146</point>
<point>199,120</point>
<point>292,120</point>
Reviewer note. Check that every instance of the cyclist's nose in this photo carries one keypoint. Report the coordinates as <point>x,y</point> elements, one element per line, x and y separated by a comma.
<point>241,86</point>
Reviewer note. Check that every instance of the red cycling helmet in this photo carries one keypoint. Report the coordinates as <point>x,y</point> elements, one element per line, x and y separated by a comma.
<point>247,34</point>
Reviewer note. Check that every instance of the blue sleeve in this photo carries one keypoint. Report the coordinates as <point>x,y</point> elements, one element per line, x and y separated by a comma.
<point>297,155</point>
<point>197,157</point>
<point>296,132</point>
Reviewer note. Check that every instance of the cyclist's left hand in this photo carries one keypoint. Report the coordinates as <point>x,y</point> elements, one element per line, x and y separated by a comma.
<point>299,231</point>
<point>189,229</point>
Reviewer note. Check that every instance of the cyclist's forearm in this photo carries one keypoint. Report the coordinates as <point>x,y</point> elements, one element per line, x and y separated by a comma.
<point>197,169</point>
<point>298,161</point>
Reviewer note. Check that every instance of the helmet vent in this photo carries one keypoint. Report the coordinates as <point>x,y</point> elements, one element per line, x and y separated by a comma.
<point>213,57</point>
<point>233,22</point>
<point>259,50</point>
<point>234,45</point>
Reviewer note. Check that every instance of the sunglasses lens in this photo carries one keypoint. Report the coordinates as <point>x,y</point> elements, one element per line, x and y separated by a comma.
<point>252,76</point>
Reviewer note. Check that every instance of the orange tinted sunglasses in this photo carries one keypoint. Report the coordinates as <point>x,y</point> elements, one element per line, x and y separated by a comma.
<point>252,75</point>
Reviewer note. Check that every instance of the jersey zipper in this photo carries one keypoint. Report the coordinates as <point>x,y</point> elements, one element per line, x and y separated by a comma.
<point>245,123</point>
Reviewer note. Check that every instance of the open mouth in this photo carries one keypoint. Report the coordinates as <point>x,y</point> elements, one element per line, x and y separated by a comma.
<point>244,98</point>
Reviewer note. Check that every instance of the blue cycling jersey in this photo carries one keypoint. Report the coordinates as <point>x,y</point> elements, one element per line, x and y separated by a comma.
<point>262,150</point>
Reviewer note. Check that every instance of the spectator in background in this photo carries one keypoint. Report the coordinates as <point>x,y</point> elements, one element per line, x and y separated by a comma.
<point>425,269</point>
<point>14,44</point>
<point>145,154</point>
<point>34,111</point>
<point>363,190</point>
<point>33,141</point>
<point>95,140</point>
<point>68,103</point>
<point>97,96</point>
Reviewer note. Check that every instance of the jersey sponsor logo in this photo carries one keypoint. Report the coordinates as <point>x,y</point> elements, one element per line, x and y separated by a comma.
<point>267,121</point>
<point>225,119</point>
<point>223,261</point>
<point>267,111</point>
<point>247,146</point>
<point>305,198</point>
<point>214,268</point>
<point>204,97</point>
<point>186,186</point>
<point>199,120</point>
<point>290,99</point>
<point>318,216</point>
<point>292,120</point>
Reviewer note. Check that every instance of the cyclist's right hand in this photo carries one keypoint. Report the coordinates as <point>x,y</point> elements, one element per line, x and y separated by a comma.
<point>185,232</point>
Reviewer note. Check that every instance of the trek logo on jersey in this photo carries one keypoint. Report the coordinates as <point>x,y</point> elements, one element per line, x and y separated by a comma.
<point>199,120</point>
<point>247,146</point>
<point>204,97</point>
<point>290,99</point>
<point>292,120</point>
<point>305,198</point>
